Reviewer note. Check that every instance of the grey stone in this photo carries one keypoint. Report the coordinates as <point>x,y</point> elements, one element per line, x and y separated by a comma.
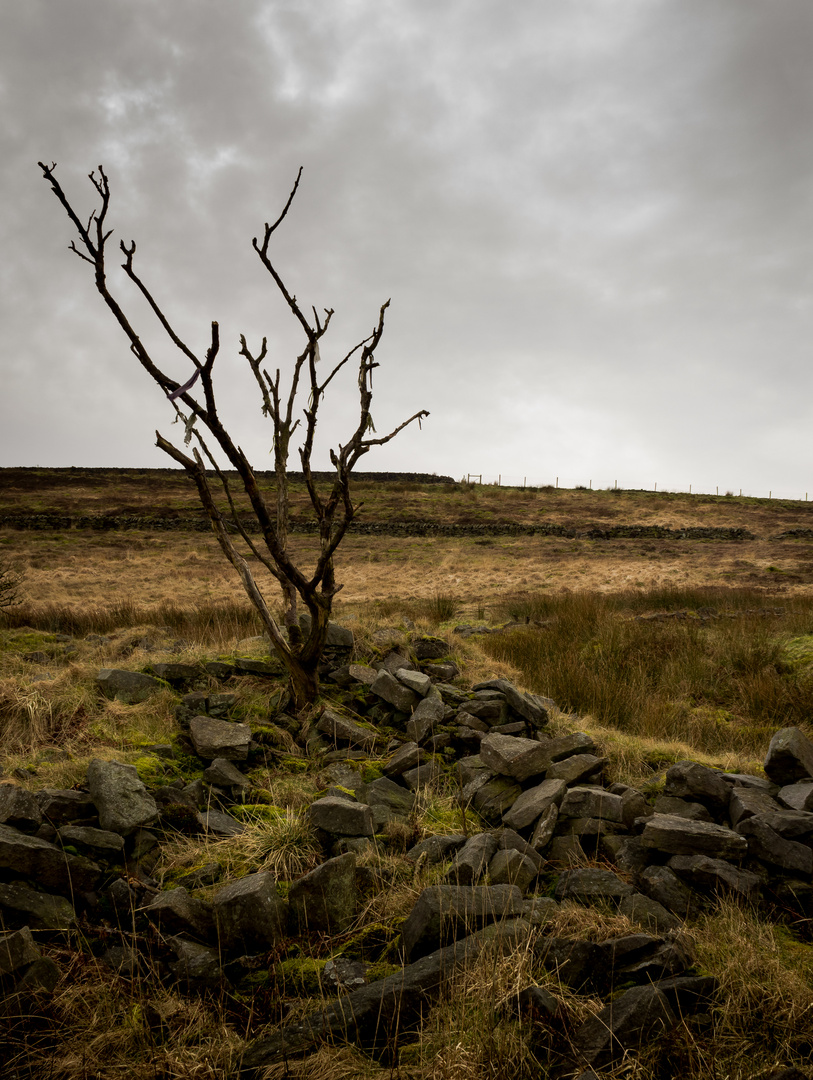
<point>414,680</point>
<point>121,798</point>
<point>790,824</point>
<point>797,796</point>
<point>511,867</point>
<point>60,806</point>
<point>437,848</point>
<point>631,856</point>
<point>473,858</point>
<point>389,689</point>
<point>565,850</point>
<point>408,756</point>
<point>176,912</point>
<point>768,846</point>
<point>17,951</point>
<point>573,960</point>
<point>363,673</point>
<point>589,883</point>
<point>197,966</point>
<point>19,808</point>
<point>35,859</point>
<point>430,711</point>
<point>790,757</point>
<point>219,739</point>
<point>716,875</point>
<point>385,792</point>
<point>662,884</point>
<point>422,776</point>
<point>636,1017</point>
<point>545,826</point>
<point>98,843</point>
<point>530,707</point>
<point>684,808</point>
<point>690,780</point>
<point>534,802</point>
<point>508,839</point>
<point>576,768</point>
<point>591,802</point>
<point>219,824</point>
<point>341,818</point>
<point>444,913</point>
<point>536,1001</point>
<point>130,687</point>
<point>744,802</point>
<point>249,915</point>
<point>494,797</point>
<point>223,773</point>
<point>34,908</point>
<point>677,836</point>
<point>634,805</point>
<point>565,746</point>
<point>648,913</point>
<point>341,729</point>
<point>326,899</point>
<point>509,756</point>
<point>538,910</point>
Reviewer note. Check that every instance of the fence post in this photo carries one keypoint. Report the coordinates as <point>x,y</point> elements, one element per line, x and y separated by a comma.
<point>690,489</point>
<point>591,485</point>
<point>656,485</point>
<point>557,481</point>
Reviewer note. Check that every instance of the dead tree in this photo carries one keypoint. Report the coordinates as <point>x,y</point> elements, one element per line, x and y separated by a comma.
<point>301,643</point>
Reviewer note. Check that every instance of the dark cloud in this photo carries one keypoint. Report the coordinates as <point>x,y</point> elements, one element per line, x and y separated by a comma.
<point>593,220</point>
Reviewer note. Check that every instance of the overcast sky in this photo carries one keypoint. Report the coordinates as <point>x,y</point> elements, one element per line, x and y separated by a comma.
<point>594,219</point>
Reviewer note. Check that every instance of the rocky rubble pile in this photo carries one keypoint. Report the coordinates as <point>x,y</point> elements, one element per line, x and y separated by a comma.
<point>555,831</point>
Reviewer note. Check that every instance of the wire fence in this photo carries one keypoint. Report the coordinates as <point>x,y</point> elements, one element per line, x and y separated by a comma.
<point>579,484</point>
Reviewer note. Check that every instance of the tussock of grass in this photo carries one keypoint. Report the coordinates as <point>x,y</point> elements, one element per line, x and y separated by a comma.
<point>765,1002</point>
<point>720,685</point>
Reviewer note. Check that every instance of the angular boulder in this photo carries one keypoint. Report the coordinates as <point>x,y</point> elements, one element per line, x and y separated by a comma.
<point>122,800</point>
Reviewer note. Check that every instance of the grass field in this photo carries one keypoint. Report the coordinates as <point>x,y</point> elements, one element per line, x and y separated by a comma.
<point>661,648</point>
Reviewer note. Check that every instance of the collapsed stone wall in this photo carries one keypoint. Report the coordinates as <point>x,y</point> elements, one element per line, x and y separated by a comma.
<point>184,523</point>
<point>548,814</point>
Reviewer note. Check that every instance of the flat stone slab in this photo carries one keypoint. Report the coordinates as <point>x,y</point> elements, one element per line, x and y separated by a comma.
<point>690,780</point>
<point>576,768</point>
<point>131,687</point>
<point>591,802</point>
<point>341,729</point>
<point>42,911</point>
<point>533,803</point>
<point>590,883</point>
<point>678,836</point>
<point>37,860</point>
<point>389,689</point>
<point>716,875</point>
<point>219,739</point>
<point>797,796</point>
<point>219,824</point>
<point>632,1019</point>
<point>341,817</point>
<point>517,758</point>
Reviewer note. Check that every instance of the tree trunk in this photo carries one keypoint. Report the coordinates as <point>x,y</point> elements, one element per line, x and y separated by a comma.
<point>304,682</point>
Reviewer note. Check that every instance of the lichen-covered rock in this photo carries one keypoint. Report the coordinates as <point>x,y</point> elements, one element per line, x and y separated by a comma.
<point>340,817</point>
<point>219,739</point>
<point>674,835</point>
<point>636,1017</point>
<point>19,808</point>
<point>130,687</point>
<point>121,798</point>
<point>533,803</point>
<point>515,757</point>
<point>43,911</point>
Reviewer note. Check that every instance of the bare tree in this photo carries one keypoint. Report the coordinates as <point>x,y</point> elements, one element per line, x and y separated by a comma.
<point>299,649</point>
